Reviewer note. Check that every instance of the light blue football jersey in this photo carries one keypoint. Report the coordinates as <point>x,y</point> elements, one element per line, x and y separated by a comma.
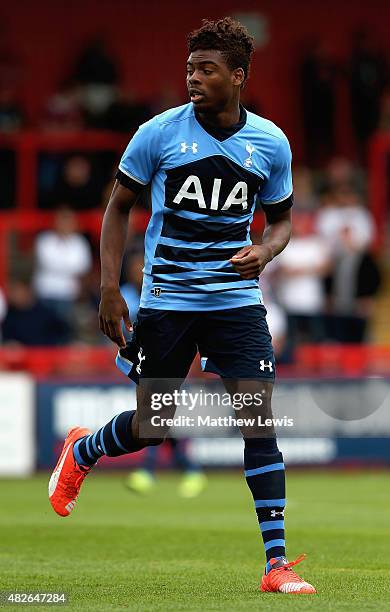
<point>203,193</point>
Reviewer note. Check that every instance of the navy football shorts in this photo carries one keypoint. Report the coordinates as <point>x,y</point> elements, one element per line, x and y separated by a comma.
<point>235,344</point>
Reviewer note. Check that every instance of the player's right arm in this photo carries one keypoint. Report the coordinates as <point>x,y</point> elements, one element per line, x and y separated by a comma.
<point>113,239</point>
<point>136,170</point>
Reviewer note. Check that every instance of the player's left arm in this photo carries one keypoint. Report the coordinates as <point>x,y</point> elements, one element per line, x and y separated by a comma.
<point>276,199</point>
<point>251,260</point>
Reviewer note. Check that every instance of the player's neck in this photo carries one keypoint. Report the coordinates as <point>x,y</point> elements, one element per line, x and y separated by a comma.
<point>222,119</point>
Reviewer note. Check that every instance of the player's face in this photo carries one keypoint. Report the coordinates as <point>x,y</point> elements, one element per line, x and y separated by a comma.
<point>210,82</point>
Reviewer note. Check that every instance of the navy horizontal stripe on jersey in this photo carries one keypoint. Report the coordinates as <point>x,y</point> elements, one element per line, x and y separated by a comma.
<point>201,266</point>
<point>195,216</point>
<point>203,289</point>
<point>202,231</point>
<point>174,254</point>
<point>179,272</point>
<point>206,280</point>
<point>168,269</point>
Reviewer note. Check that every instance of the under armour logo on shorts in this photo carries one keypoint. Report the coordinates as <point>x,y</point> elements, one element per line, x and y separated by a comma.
<point>264,365</point>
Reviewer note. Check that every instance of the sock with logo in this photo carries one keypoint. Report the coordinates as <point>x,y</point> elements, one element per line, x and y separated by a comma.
<point>113,439</point>
<point>265,476</point>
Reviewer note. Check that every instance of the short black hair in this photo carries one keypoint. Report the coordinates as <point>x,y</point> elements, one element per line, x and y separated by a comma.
<point>229,37</point>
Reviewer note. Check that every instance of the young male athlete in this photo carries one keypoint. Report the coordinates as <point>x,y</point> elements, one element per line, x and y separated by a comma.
<point>206,163</point>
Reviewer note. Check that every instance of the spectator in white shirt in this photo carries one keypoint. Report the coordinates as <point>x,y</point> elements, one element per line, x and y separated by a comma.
<point>345,213</point>
<point>301,268</point>
<point>63,256</point>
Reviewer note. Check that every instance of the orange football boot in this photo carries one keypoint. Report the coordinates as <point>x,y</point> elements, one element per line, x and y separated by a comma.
<point>282,579</point>
<point>68,476</point>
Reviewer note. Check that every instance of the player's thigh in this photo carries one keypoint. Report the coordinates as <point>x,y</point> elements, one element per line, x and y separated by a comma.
<point>165,349</point>
<point>162,345</point>
<point>252,402</point>
<point>155,409</point>
<point>236,344</point>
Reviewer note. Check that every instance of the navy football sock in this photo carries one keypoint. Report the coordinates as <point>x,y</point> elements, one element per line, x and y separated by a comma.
<point>264,473</point>
<point>113,439</point>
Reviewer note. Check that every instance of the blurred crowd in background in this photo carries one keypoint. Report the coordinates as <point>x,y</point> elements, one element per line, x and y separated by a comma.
<point>320,289</point>
<point>91,96</point>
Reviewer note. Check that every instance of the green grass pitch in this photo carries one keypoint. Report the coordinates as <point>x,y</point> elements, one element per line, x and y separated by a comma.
<point>122,552</point>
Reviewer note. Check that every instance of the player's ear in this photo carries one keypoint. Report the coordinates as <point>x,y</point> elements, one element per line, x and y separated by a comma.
<point>238,77</point>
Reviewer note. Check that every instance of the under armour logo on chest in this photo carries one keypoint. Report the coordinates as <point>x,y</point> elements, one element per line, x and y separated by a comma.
<point>184,147</point>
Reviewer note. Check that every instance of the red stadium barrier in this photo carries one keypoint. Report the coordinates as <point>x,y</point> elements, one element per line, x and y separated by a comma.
<point>71,361</point>
<point>98,362</point>
<point>343,359</point>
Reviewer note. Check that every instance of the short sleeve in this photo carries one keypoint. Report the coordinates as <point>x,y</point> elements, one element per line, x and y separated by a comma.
<point>278,187</point>
<point>142,155</point>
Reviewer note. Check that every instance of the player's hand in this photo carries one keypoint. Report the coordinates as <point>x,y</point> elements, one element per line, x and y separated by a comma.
<point>112,310</point>
<point>251,260</point>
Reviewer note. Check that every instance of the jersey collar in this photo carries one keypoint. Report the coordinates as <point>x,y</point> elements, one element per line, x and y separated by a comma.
<point>224,133</point>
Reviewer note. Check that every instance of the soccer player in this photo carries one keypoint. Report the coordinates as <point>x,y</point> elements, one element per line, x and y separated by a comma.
<point>206,163</point>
